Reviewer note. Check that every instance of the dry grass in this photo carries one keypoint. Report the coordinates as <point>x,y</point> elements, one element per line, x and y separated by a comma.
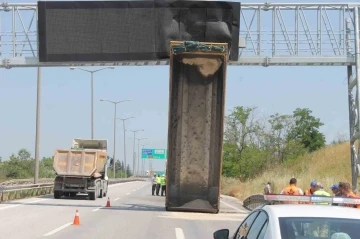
<point>329,165</point>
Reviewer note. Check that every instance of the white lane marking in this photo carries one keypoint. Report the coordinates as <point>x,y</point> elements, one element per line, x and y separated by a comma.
<point>57,229</point>
<point>134,190</point>
<point>116,199</point>
<point>179,233</point>
<point>22,204</point>
<point>227,204</point>
<point>127,193</point>
<point>97,209</point>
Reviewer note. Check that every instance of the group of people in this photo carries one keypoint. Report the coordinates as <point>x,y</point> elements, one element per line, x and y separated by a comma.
<point>342,189</point>
<point>158,182</point>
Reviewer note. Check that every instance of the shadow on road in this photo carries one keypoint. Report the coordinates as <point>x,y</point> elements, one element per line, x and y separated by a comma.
<point>136,207</point>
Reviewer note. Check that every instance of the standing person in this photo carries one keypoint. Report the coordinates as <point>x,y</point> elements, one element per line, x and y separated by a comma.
<point>335,189</point>
<point>346,191</point>
<point>292,189</point>
<point>163,185</point>
<point>153,182</point>
<point>319,191</point>
<point>311,190</point>
<point>267,188</point>
<point>158,182</point>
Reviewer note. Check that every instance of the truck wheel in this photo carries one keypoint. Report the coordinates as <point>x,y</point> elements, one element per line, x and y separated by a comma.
<point>92,196</point>
<point>57,194</point>
<point>72,194</point>
<point>101,194</point>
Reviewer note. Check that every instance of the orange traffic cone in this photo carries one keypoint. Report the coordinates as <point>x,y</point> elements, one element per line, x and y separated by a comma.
<point>76,219</point>
<point>108,202</point>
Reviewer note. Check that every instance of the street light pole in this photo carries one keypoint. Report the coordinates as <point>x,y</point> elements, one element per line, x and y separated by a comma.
<point>92,105</point>
<point>134,131</point>
<point>37,130</point>
<point>138,162</point>
<point>114,155</point>
<point>143,161</point>
<point>92,92</point>
<point>125,165</point>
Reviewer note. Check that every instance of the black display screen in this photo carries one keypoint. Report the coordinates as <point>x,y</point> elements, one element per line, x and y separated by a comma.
<point>87,31</point>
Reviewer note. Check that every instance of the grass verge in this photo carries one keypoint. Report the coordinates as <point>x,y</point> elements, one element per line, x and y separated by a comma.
<point>328,165</point>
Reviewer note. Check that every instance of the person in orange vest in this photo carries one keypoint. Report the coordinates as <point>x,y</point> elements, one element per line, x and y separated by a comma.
<point>311,190</point>
<point>346,191</point>
<point>292,189</point>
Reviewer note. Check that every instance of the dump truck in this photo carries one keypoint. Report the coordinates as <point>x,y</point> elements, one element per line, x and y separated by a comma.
<point>81,169</point>
<point>195,128</point>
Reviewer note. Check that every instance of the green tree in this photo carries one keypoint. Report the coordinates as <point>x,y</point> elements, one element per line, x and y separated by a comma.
<point>281,147</point>
<point>23,154</point>
<point>128,171</point>
<point>243,152</point>
<point>306,130</point>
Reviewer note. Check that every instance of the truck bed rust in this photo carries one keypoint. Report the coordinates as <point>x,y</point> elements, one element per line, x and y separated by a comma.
<point>195,134</point>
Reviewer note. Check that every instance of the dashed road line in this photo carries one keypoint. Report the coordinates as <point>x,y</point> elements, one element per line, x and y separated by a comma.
<point>97,209</point>
<point>57,229</point>
<point>179,233</point>
<point>134,190</point>
<point>116,199</point>
<point>127,193</point>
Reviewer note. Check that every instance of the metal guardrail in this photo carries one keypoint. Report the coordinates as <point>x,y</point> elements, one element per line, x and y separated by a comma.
<point>33,190</point>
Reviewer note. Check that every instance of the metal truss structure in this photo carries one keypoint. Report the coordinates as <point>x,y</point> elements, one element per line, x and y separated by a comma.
<point>276,34</point>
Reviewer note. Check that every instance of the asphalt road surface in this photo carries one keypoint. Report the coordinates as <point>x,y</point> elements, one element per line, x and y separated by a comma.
<point>134,213</point>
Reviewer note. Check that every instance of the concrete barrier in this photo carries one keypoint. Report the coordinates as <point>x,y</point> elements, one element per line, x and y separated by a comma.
<point>13,194</point>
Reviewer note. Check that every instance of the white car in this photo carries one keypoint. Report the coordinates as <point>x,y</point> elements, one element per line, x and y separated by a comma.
<point>299,221</point>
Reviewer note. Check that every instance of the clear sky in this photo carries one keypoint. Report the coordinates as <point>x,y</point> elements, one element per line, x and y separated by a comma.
<point>65,106</point>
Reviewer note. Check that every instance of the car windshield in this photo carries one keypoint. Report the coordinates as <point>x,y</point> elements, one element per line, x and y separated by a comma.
<point>310,227</point>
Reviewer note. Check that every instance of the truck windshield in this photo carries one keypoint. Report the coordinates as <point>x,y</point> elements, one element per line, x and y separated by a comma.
<point>317,227</point>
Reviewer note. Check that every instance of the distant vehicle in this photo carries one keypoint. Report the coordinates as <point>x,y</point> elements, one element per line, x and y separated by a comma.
<point>299,221</point>
<point>81,169</point>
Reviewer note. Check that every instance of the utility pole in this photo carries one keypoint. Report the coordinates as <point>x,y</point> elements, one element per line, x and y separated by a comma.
<point>143,161</point>
<point>114,155</point>
<point>37,130</point>
<point>92,92</point>
<point>138,163</point>
<point>125,165</point>
<point>134,157</point>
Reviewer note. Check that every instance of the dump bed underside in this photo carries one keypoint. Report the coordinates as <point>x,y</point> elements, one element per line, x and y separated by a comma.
<point>195,132</point>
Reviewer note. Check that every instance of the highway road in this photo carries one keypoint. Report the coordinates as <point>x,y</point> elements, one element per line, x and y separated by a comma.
<point>134,213</point>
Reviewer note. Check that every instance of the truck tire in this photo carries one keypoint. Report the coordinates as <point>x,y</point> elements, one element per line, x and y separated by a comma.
<point>72,194</point>
<point>57,194</point>
<point>92,196</point>
<point>101,194</point>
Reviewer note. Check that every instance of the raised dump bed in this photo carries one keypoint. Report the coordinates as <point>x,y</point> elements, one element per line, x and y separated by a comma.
<point>86,158</point>
<point>196,119</point>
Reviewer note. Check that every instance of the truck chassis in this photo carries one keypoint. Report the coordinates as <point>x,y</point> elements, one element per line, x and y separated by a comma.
<point>71,186</point>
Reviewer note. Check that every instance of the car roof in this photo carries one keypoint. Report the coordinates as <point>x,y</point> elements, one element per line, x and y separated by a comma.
<point>296,210</point>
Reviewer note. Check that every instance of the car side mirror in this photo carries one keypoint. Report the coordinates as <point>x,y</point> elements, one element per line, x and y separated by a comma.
<point>221,234</point>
